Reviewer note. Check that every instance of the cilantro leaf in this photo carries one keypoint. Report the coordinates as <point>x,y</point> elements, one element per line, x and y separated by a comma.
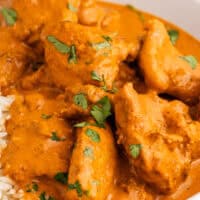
<point>43,197</point>
<point>173,34</point>
<point>45,116</point>
<point>95,76</point>
<point>61,177</point>
<point>135,150</point>
<point>80,100</point>
<point>32,188</point>
<point>81,124</point>
<point>60,46</point>
<point>107,38</point>
<point>101,111</point>
<point>76,186</point>
<point>88,152</point>
<point>10,15</point>
<point>102,45</point>
<point>191,60</point>
<point>35,187</point>
<point>71,7</point>
<point>72,55</point>
<point>54,137</point>
<point>95,137</point>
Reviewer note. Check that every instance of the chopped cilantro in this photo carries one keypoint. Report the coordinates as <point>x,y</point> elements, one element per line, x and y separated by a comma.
<point>76,186</point>
<point>72,55</point>
<point>81,124</point>
<point>10,15</point>
<point>101,111</point>
<point>45,116</point>
<point>173,34</point>
<point>61,177</point>
<point>32,188</point>
<point>93,135</point>
<point>60,46</point>
<point>71,7</point>
<point>191,60</point>
<point>135,150</point>
<point>88,152</point>
<point>96,76</point>
<point>80,100</point>
<point>64,49</point>
<point>55,137</point>
<point>107,38</point>
<point>35,187</point>
<point>44,197</point>
<point>102,45</point>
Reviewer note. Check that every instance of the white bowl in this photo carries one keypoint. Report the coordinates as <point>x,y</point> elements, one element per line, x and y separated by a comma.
<point>184,13</point>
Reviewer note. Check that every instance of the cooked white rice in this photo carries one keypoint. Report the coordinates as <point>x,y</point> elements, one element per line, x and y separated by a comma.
<point>8,189</point>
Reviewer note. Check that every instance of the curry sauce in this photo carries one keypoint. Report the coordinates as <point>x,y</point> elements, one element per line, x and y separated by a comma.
<point>106,102</point>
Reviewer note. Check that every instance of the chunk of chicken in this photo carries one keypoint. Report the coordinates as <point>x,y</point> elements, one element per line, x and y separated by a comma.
<point>95,51</point>
<point>42,12</point>
<point>161,132</point>
<point>39,142</point>
<point>164,67</point>
<point>93,164</point>
<point>14,58</point>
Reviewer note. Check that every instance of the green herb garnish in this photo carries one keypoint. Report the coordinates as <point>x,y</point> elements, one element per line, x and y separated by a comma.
<point>33,188</point>
<point>82,124</point>
<point>71,7</point>
<point>43,197</point>
<point>80,100</point>
<point>55,137</point>
<point>107,38</point>
<point>64,49</point>
<point>95,76</point>
<point>60,46</point>
<point>72,55</point>
<point>135,150</point>
<point>61,177</point>
<point>76,186</point>
<point>192,61</point>
<point>10,15</point>
<point>102,45</point>
<point>88,152</point>
<point>173,34</point>
<point>101,111</point>
<point>45,116</point>
<point>93,135</point>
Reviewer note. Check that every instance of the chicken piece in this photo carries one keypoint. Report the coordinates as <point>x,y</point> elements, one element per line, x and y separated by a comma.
<point>93,164</point>
<point>52,10</point>
<point>164,67</point>
<point>93,94</point>
<point>33,79</point>
<point>39,142</point>
<point>93,50</point>
<point>89,12</point>
<point>15,56</point>
<point>158,137</point>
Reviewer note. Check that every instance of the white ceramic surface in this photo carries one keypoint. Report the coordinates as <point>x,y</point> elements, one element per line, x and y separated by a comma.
<point>184,13</point>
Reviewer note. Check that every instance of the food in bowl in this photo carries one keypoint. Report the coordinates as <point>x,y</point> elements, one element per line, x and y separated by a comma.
<point>99,101</point>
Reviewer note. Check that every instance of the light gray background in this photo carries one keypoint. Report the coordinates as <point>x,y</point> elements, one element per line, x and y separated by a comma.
<point>184,13</point>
